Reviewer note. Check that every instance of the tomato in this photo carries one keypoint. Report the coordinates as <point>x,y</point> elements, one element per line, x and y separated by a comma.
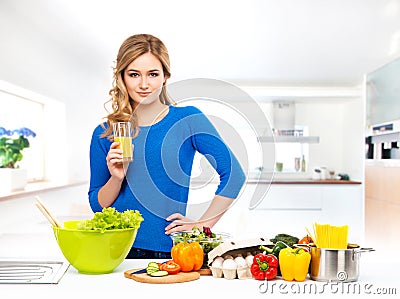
<point>306,240</point>
<point>171,267</point>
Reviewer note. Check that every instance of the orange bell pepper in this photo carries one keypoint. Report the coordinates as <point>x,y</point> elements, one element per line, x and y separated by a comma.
<point>188,255</point>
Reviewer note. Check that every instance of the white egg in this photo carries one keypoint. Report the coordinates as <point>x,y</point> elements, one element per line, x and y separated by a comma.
<point>218,261</point>
<point>249,259</point>
<point>229,264</point>
<point>240,261</point>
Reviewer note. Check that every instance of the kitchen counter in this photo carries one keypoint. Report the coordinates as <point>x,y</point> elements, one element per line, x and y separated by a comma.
<point>34,188</point>
<point>26,235</point>
<point>42,246</point>
<point>37,187</point>
<point>284,180</point>
<point>304,182</point>
<point>299,178</point>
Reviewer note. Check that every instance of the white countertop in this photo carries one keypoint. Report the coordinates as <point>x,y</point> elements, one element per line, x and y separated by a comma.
<point>26,235</point>
<point>377,271</point>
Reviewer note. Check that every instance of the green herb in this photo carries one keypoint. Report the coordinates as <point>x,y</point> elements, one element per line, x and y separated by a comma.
<point>11,147</point>
<point>285,238</point>
<point>110,218</point>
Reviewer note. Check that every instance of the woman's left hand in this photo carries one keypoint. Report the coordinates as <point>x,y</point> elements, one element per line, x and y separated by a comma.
<point>179,223</point>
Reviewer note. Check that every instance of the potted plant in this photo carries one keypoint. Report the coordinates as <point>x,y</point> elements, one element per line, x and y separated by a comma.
<point>12,144</point>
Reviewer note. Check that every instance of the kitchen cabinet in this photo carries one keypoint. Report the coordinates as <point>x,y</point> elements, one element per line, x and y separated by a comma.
<point>345,205</point>
<point>382,166</point>
<point>382,202</point>
<point>284,197</point>
<point>286,207</point>
<point>382,91</point>
<point>290,208</point>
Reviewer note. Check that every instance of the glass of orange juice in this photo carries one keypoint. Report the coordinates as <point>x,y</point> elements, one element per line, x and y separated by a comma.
<point>123,134</point>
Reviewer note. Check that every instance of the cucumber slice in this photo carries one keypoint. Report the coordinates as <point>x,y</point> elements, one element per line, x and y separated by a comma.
<point>159,273</point>
<point>151,270</point>
<point>152,264</point>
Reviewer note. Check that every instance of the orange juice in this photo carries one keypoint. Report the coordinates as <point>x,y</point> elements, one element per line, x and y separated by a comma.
<point>125,143</point>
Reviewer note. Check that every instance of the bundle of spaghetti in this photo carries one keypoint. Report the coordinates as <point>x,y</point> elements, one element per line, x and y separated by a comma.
<point>330,236</point>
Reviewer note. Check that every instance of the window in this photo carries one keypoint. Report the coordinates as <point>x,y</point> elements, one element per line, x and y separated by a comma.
<point>21,112</point>
<point>46,117</point>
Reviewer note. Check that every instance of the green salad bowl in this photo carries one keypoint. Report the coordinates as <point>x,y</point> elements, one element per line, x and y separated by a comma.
<point>94,252</point>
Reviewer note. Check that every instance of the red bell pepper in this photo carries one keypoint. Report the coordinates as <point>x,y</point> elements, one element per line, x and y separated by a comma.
<point>264,267</point>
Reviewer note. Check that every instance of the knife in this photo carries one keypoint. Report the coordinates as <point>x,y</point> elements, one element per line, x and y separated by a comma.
<point>143,270</point>
<point>139,271</point>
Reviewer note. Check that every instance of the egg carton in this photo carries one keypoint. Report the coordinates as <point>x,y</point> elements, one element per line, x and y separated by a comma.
<point>235,257</point>
<point>234,247</point>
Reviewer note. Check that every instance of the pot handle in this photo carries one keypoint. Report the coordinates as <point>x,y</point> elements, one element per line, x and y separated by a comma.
<point>361,250</point>
<point>365,249</point>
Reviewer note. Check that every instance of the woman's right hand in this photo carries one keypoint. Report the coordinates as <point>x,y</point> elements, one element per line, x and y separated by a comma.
<point>115,163</point>
<point>109,192</point>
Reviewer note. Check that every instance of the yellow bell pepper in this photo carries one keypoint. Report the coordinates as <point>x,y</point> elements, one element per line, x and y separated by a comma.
<point>294,263</point>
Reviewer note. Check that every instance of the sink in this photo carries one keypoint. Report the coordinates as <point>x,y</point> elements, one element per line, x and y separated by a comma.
<point>32,272</point>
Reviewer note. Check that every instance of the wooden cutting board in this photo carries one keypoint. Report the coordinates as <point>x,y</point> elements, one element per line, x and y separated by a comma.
<point>180,277</point>
<point>205,272</point>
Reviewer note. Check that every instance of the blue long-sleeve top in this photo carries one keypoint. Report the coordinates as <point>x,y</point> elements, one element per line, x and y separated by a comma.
<point>157,181</point>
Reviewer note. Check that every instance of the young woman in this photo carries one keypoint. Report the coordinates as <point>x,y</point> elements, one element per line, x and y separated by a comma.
<point>166,138</point>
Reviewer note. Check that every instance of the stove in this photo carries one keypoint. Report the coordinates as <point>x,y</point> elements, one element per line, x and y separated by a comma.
<point>32,272</point>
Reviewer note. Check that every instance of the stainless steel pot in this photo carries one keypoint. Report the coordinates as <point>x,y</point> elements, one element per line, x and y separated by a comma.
<point>336,264</point>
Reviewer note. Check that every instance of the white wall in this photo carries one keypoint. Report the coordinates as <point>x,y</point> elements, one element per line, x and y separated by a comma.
<point>37,62</point>
<point>340,127</point>
<point>46,65</point>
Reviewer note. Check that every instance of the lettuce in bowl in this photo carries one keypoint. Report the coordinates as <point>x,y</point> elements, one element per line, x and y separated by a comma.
<point>109,219</point>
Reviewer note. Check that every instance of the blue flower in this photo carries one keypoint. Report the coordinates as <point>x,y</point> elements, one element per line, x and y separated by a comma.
<point>26,132</point>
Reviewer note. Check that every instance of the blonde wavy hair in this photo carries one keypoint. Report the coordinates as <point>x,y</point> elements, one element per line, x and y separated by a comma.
<point>123,107</point>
